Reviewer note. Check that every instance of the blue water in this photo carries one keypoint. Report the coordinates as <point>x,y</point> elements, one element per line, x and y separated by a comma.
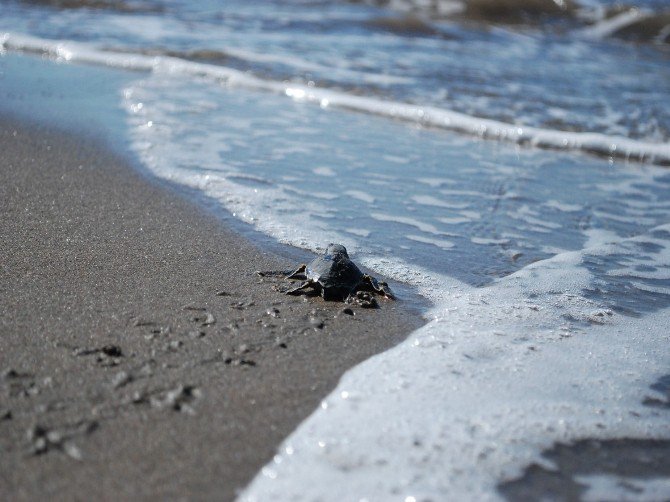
<point>472,210</point>
<point>535,74</point>
<point>84,100</point>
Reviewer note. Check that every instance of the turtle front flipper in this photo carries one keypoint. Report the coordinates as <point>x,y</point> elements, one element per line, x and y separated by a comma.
<point>298,274</point>
<point>370,283</point>
<point>273,273</point>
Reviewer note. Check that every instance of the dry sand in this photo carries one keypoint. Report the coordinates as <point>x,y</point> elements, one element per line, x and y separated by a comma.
<point>140,356</point>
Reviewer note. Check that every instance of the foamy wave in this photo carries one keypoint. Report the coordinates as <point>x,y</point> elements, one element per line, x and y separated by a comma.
<point>631,23</point>
<point>594,143</point>
<point>500,374</point>
<point>607,27</point>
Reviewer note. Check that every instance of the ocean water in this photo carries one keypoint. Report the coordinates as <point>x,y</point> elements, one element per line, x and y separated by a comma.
<point>508,160</point>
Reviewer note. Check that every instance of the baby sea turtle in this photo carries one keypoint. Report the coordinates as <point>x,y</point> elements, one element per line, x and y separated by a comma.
<point>335,277</point>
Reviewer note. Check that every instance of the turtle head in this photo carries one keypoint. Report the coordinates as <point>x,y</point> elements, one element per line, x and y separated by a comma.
<point>336,250</point>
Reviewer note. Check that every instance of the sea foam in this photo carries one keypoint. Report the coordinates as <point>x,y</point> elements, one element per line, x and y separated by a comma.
<point>595,143</point>
<point>500,374</point>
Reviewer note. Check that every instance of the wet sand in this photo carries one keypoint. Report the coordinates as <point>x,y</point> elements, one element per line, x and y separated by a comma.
<point>140,355</point>
<point>627,461</point>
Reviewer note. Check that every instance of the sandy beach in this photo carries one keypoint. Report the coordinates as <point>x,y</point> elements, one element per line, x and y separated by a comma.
<point>140,355</point>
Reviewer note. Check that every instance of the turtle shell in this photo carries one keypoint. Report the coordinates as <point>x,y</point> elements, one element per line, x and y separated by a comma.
<point>337,275</point>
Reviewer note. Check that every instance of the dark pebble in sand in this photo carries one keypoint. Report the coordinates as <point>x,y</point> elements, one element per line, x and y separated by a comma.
<point>347,311</point>
<point>192,307</point>
<point>273,312</point>
<point>243,362</point>
<point>6,415</point>
<point>242,305</point>
<point>365,300</point>
<point>316,323</point>
<point>112,351</point>
<point>178,399</point>
<point>108,351</point>
<point>206,320</point>
<point>238,361</point>
<point>43,439</point>
<point>142,322</point>
<point>23,389</point>
<point>223,293</point>
<point>11,374</point>
<point>196,334</point>
<point>139,397</point>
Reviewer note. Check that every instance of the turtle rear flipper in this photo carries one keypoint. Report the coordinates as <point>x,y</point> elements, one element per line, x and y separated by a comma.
<point>380,287</point>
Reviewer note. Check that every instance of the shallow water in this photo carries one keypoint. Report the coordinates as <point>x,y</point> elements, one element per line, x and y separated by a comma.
<point>549,269</point>
<point>555,77</point>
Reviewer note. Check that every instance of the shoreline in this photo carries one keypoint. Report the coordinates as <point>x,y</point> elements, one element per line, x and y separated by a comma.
<point>140,355</point>
<point>177,383</point>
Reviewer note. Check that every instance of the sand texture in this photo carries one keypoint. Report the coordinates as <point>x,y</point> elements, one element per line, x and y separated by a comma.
<point>140,356</point>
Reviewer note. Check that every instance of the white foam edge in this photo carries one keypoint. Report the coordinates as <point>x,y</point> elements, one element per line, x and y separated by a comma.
<point>302,64</point>
<point>588,142</point>
<point>607,27</point>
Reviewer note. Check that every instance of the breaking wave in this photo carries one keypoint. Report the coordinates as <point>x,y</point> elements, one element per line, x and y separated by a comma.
<point>594,143</point>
